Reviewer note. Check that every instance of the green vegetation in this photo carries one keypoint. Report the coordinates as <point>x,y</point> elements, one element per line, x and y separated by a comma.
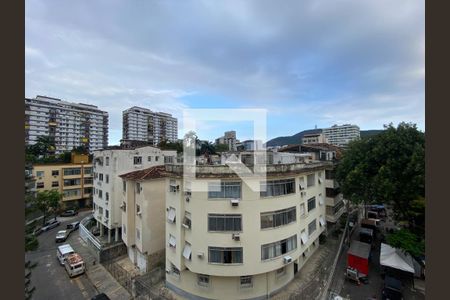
<point>47,202</point>
<point>388,168</point>
<point>406,240</point>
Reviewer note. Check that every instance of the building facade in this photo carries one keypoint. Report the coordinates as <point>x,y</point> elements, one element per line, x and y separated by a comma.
<point>223,238</point>
<point>229,138</point>
<point>70,124</point>
<point>142,124</point>
<point>108,187</point>
<point>314,138</point>
<point>341,135</point>
<point>74,181</point>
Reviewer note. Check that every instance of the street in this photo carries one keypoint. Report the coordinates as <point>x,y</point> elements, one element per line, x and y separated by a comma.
<point>49,277</point>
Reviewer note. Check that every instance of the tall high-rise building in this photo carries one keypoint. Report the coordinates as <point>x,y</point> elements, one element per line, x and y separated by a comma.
<point>70,124</point>
<point>229,138</point>
<point>142,124</point>
<point>341,135</point>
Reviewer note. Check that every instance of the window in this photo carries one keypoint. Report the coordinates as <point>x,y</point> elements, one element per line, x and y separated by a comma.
<point>149,158</point>
<point>124,186</point>
<point>71,182</point>
<point>100,210</point>
<point>87,170</point>
<point>88,181</point>
<point>187,220</point>
<point>39,173</point>
<point>55,183</point>
<point>246,282</point>
<point>281,272</point>
<point>100,176</point>
<point>277,187</point>
<point>311,203</point>
<point>310,180</point>
<point>88,190</point>
<point>137,160</point>
<point>303,237</point>
<point>312,227</point>
<point>72,193</point>
<point>106,213</point>
<point>156,158</point>
<point>107,178</point>
<point>172,241</point>
<point>138,234</point>
<point>171,216</point>
<point>138,208</point>
<point>107,196</point>
<point>279,248</point>
<point>302,209</point>
<point>329,174</point>
<point>174,270</point>
<point>187,252</point>
<point>138,188</point>
<point>221,222</point>
<point>225,255</point>
<point>330,192</point>
<point>278,218</point>
<point>100,193</point>
<point>72,171</point>
<point>203,280</point>
<point>39,185</point>
<point>224,190</point>
<point>107,161</point>
<point>55,172</point>
<point>168,159</point>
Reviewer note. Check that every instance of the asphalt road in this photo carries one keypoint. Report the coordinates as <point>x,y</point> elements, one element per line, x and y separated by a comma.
<point>49,277</point>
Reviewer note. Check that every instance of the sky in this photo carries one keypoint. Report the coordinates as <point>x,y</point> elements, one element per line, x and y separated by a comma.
<point>308,63</point>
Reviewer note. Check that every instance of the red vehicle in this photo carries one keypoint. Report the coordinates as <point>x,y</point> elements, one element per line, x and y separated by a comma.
<point>358,258</point>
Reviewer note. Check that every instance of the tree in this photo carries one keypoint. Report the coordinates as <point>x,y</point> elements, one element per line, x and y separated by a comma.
<point>407,241</point>
<point>387,168</point>
<point>222,148</point>
<point>31,242</point>
<point>47,202</point>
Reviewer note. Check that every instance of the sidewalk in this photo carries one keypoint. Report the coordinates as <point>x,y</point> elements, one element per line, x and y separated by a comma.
<point>311,278</point>
<point>103,281</point>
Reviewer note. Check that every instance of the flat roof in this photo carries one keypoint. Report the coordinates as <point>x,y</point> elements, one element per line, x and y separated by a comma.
<point>359,249</point>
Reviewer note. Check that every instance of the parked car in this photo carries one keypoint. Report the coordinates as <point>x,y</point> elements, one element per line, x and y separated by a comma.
<point>69,213</point>
<point>62,235</point>
<point>37,231</point>
<point>73,226</point>
<point>50,225</point>
<point>101,296</point>
<point>392,289</point>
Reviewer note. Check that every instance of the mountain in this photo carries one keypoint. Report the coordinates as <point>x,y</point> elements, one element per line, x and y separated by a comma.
<point>296,138</point>
<point>293,139</point>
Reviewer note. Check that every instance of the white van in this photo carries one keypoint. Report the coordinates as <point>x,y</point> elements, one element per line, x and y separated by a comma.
<point>74,265</point>
<point>62,252</point>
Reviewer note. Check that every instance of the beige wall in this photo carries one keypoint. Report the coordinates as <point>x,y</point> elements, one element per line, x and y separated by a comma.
<point>252,237</point>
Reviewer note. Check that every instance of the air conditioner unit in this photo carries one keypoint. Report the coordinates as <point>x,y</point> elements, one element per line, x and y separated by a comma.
<point>320,180</point>
<point>187,199</point>
<point>185,226</point>
<point>234,202</point>
<point>187,193</point>
<point>287,259</point>
<point>168,271</point>
<point>301,188</point>
<point>200,254</point>
<point>139,213</point>
<point>236,236</point>
<point>122,206</point>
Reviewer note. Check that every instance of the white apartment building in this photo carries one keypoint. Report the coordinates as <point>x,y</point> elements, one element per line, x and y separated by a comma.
<point>142,124</point>
<point>341,135</point>
<point>223,238</point>
<point>108,165</point>
<point>70,124</point>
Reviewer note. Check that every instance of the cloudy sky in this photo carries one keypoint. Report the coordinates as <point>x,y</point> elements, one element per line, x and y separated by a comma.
<point>309,63</point>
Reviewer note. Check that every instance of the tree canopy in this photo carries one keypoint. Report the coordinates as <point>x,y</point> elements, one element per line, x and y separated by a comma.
<point>47,202</point>
<point>386,168</point>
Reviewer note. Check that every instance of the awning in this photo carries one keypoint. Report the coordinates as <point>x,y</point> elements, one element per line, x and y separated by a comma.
<point>171,215</point>
<point>304,237</point>
<point>396,259</point>
<point>322,221</point>
<point>187,252</point>
<point>172,241</point>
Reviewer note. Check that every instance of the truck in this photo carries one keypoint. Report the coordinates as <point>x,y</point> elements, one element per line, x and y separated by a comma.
<point>74,265</point>
<point>358,261</point>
